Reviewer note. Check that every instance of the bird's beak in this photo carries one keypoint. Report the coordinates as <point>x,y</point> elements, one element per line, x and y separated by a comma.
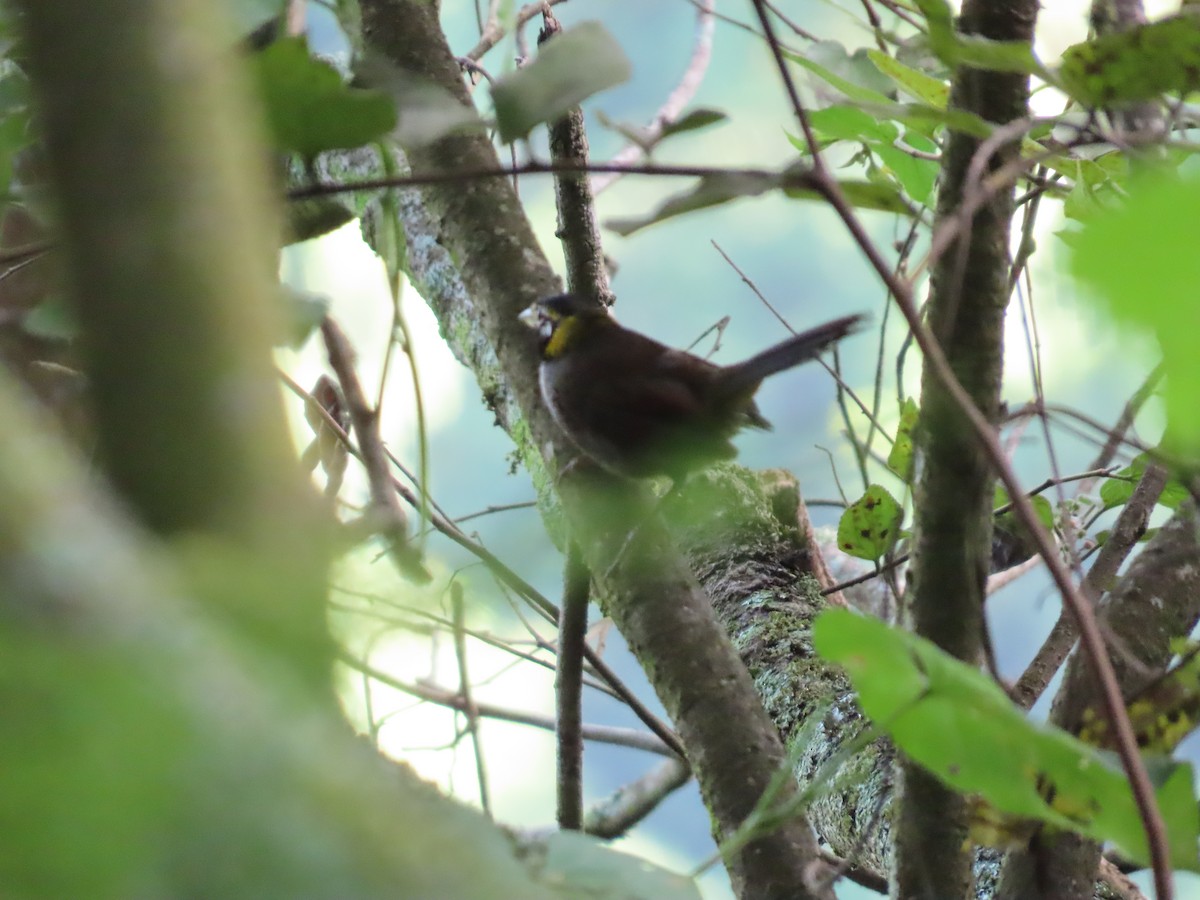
<point>531,317</point>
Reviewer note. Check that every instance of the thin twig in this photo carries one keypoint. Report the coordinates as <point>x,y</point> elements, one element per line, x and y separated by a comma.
<point>470,709</point>
<point>1126,532</point>
<point>833,371</point>
<point>791,178</point>
<point>496,508</point>
<point>394,522</point>
<point>604,734</point>
<point>17,254</point>
<point>493,31</point>
<point>511,579</point>
<point>679,98</point>
<point>629,804</point>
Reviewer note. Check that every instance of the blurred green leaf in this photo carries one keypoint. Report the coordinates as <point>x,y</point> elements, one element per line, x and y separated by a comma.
<point>14,123</point>
<point>53,318</point>
<point>870,525</point>
<point>958,723</point>
<point>1135,64</point>
<point>932,91</point>
<point>1116,490</point>
<point>722,187</point>
<point>917,176</point>
<point>1041,506</point>
<point>1142,260</point>
<point>711,190</point>
<point>956,49</point>
<point>424,111</point>
<point>829,61</point>
<point>862,195</point>
<point>310,109</point>
<point>693,120</point>
<point>844,122</point>
<point>595,871</point>
<point>88,744</point>
<point>922,116</point>
<point>569,68</point>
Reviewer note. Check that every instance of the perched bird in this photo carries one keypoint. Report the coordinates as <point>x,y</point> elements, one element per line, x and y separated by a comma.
<point>639,408</point>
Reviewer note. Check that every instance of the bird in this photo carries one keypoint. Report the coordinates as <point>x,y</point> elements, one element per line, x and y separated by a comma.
<point>641,409</point>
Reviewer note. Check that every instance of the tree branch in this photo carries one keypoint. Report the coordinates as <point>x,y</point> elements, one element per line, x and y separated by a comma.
<point>666,619</point>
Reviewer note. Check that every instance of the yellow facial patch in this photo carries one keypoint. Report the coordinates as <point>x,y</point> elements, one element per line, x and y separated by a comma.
<point>565,332</point>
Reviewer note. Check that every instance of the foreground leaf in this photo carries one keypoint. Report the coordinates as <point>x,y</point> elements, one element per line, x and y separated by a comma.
<point>571,67</point>
<point>711,190</point>
<point>310,109</point>
<point>722,187</point>
<point>956,722</point>
<point>957,49</point>
<point>1156,227</point>
<point>1134,65</point>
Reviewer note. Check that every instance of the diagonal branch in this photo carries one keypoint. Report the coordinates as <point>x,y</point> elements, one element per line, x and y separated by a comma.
<point>666,618</point>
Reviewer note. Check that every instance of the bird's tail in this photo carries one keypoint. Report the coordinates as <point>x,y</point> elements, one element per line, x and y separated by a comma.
<point>744,377</point>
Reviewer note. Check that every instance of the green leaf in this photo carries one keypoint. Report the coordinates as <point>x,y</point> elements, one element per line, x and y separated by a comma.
<point>861,194</point>
<point>998,56</point>
<point>1136,64</point>
<point>844,122</point>
<point>1156,228</point>
<point>14,123</point>
<point>424,111</point>
<point>928,90</point>
<point>834,55</point>
<point>711,190</point>
<point>847,123</point>
<point>869,526</point>
<point>916,176</point>
<point>900,457</point>
<point>1084,201</point>
<point>1116,490</point>
<point>569,68</point>
<point>53,318</point>
<point>956,722</point>
<point>310,109</point>
<point>646,141</point>
<point>1041,507</point>
<point>921,116</point>
<point>693,120</point>
<point>956,49</point>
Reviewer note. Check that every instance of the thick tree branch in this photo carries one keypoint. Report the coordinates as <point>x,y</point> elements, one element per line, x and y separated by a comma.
<point>953,499</point>
<point>666,619</point>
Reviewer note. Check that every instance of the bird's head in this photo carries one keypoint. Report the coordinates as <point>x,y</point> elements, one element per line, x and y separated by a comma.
<point>561,320</point>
